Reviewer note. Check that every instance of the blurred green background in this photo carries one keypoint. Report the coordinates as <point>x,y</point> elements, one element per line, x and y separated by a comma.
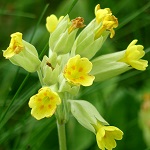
<point>119,100</point>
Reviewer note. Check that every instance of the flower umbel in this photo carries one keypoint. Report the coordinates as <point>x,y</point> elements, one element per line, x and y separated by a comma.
<point>15,46</point>
<point>44,103</point>
<point>106,136</point>
<point>77,69</point>
<point>133,55</point>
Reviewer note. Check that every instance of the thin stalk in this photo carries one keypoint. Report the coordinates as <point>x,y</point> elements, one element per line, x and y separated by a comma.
<point>72,5</point>
<point>35,29</point>
<point>61,136</point>
<point>16,94</point>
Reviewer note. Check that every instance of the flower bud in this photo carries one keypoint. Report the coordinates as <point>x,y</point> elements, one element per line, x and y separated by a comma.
<point>49,73</point>
<point>62,39</point>
<point>52,22</point>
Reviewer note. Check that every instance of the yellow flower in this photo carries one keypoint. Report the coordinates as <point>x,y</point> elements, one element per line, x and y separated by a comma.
<point>108,21</point>
<point>133,55</point>
<point>52,22</point>
<point>15,46</point>
<point>101,13</point>
<point>77,69</point>
<point>106,136</point>
<point>22,53</point>
<point>44,103</point>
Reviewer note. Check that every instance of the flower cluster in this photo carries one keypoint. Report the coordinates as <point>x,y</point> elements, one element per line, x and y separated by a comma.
<point>71,64</point>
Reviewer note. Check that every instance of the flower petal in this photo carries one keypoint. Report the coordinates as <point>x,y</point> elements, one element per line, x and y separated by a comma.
<point>110,143</point>
<point>132,43</point>
<point>139,65</point>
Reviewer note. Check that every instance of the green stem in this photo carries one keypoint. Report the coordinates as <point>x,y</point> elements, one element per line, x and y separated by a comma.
<point>14,97</point>
<point>61,136</point>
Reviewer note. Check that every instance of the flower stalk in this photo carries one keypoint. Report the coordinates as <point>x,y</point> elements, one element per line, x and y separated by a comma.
<point>61,135</point>
<point>62,117</point>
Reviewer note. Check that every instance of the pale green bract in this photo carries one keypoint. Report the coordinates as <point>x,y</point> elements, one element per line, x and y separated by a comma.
<point>86,114</point>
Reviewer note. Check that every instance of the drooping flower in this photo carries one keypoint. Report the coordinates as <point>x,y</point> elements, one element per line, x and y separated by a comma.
<point>106,136</point>
<point>77,69</point>
<point>22,53</point>
<point>44,103</point>
<point>108,21</point>
<point>133,55</point>
<point>15,46</point>
<point>52,22</point>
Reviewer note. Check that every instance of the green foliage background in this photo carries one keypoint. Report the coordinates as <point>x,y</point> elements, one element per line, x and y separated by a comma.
<point>118,99</point>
